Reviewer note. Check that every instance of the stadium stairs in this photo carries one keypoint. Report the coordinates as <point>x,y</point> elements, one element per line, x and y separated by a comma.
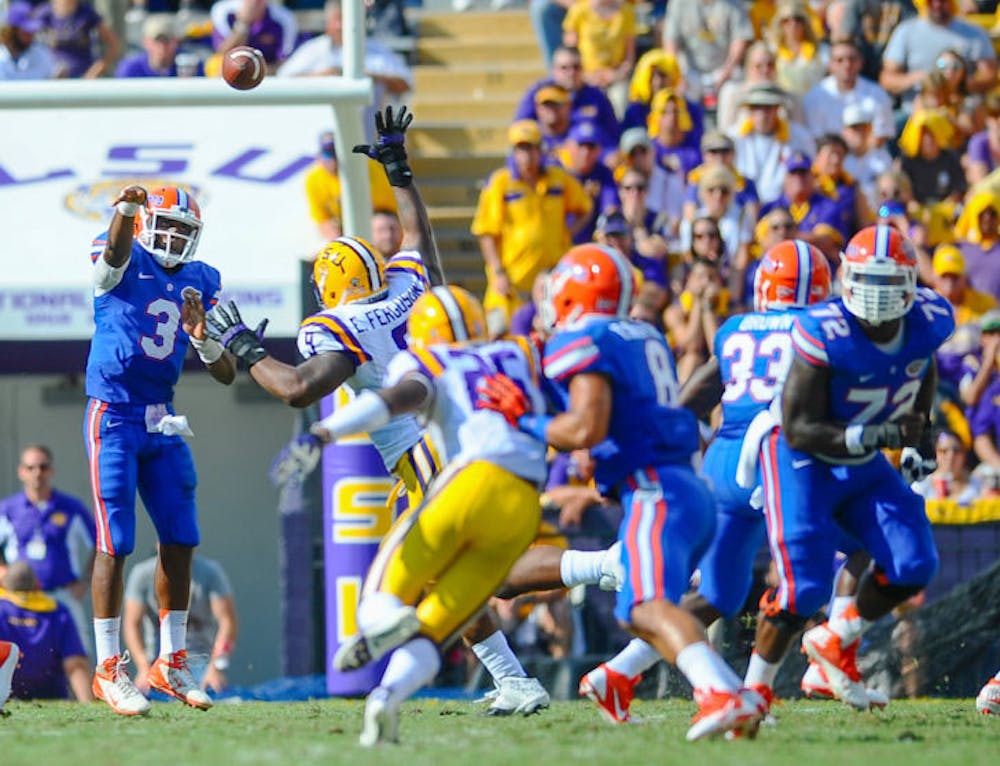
<point>470,71</point>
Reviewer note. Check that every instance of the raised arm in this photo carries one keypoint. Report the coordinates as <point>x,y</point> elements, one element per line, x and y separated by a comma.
<point>122,229</point>
<point>390,151</point>
<point>371,410</point>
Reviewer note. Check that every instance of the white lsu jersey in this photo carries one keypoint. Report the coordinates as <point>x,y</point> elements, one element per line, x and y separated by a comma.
<point>460,430</point>
<point>372,333</point>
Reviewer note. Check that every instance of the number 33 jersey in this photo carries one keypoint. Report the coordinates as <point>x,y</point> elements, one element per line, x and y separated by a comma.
<point>872,383</point>
<point>647,426</point>
<point>139,345</point>
<point>460,430</point>
<point>372,334</point>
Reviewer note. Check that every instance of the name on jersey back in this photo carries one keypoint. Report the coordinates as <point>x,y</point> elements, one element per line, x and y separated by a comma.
<point>387,312</point>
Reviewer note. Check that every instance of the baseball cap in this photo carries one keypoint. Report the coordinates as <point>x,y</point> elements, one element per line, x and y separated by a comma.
<point>798,161</point>
<point>160,25</point>
<point>552,93</point>
<point>612,223</point>
<point>990,321</point>
<point>632,139</point>
<point>327,144</point>
<point>586,133</point>
<point>948,260</point>
<point>19,15</point>
<point>857,113</point>
<point>524,132</point>
<point>716,141</point>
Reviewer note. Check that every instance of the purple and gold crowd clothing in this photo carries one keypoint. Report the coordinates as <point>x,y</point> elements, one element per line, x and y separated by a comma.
<point>52,536</point>
<point>45,632</point>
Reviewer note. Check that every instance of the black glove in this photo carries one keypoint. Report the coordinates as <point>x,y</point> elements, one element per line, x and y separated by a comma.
<point>882,435</point>
<point>915,467</point>
<point>389,149</point>
<point>239,340</point>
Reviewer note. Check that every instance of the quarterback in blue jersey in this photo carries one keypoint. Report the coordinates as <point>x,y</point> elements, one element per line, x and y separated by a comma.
<point>616,379</point>
<point>149,302</point>
<point>863,379</point>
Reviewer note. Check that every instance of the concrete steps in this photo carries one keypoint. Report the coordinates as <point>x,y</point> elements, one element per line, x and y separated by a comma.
<point>477,50</point>
<point>474,81</point>
<point>497,108</point>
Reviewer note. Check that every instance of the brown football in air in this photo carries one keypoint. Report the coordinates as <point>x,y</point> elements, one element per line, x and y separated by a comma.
<point>244,67</point>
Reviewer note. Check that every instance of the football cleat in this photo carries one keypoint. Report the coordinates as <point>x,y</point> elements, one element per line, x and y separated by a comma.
<point>172,676</point>
<point>612,569</point>
<point>9,655</point>
<point>988,699</point>
<point>113,685</point>
<point>381,721</point>
<point>766,694</point>
<point>445,314</point>
<point>611,691</point>
<point>719,712</point>
<point>518,695</point>
<point>793,273</point>
<point>816,685</point>
<point>839,663</point>
<point>361,649</point>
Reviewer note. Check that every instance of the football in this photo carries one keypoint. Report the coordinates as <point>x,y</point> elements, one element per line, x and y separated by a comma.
<point>244,67</point>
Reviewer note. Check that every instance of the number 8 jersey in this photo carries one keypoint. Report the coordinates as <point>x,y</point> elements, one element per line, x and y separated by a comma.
<point>872,383</point>
<point>138,346</point>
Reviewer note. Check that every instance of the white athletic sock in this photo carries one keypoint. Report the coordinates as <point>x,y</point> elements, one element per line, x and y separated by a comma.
<point>411,666</point>
<point>705,669</point>
<point>839,605</point>
<point>173,631</point>
<point>849,625</point>
<point>636,658</point>
<point>761,672</point>
<point>107,641</point>
<point>498,658</point>
<point>580,567</point>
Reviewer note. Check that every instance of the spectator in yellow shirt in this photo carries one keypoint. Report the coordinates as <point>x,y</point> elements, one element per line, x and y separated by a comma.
<point>323,189</point>
<point>605,32</point>
<point>527,216</point>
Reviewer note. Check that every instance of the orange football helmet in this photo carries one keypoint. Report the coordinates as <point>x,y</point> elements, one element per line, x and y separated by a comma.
<point>169,226</point>
<point>793,273</point>
<point>880,274</point>
<point>589,279</point>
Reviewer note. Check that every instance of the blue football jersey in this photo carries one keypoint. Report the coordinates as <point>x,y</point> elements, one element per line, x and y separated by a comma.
<point>647,427</point>
<point>870,384</point>
<point>755,353</point>
<point>138,345</point>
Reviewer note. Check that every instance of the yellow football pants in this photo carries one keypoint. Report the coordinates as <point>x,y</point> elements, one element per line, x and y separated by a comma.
<point>449,555</point>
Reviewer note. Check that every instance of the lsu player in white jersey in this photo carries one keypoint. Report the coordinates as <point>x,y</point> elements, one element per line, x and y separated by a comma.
<point>441,561</point>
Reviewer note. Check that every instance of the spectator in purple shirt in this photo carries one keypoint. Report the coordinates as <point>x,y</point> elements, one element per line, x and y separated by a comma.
<point>587,102</point>
<point>43,629</point>
<point>983,152</point>
<point>70,27</point>
<point>580,156</point>
<point>978,237</point>
<point>159,56</point>
<point>981,392</point>
<point>268,26</point>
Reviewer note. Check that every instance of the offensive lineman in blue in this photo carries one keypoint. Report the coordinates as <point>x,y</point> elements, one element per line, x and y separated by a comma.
<point>616,380</point>
<point>149,302</point>
<point>863,379</point>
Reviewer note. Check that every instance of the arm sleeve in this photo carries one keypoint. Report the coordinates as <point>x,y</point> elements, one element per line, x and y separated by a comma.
<point>807,340</point>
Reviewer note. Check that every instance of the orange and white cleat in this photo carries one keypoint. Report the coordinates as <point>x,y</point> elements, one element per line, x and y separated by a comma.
<point>9,655</point>
<point>988,700</point>
<point>171,675</point>
<point>720,712</point>
<point>611,691</point>
<point>816,685</point>
<point>113,685</point>
<point>839,663</point>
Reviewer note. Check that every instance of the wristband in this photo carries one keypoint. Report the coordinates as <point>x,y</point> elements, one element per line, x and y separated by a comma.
<point>128,209</point>
<point>209,350</point>
<point>852,439</point>
<point>535,425</point>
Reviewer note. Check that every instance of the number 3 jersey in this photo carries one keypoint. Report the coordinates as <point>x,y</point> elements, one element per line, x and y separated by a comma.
<point>372,334</point>
<point>872,383</point>
<point>647,426</point>
<point>462,432</point>
<point>138,346</point>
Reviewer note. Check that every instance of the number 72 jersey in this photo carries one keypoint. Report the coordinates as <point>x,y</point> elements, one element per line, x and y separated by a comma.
<point>871,383</point>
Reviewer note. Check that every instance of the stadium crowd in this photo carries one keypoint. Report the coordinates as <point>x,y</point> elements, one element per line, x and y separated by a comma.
<point>692,143</point>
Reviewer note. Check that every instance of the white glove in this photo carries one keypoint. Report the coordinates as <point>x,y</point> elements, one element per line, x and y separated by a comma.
<point>914,467</point>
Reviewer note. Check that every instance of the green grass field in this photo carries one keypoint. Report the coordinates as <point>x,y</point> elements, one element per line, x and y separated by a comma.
<point>440,733</point>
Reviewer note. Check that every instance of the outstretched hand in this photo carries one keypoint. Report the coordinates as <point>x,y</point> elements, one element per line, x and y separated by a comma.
<point>231,332</point>
<point>389,148</point>
<point>501,394</point>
